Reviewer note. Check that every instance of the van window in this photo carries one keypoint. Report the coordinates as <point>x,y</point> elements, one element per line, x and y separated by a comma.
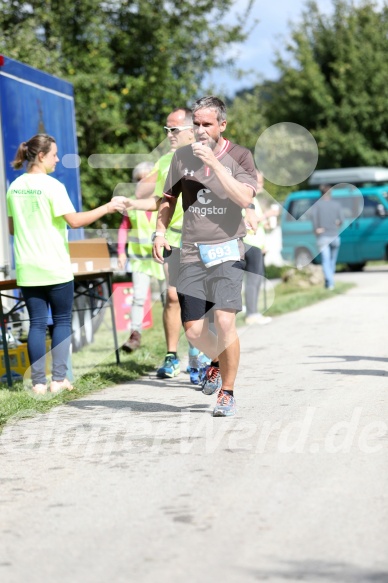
<point>370,206</point>
<point>299,207</point>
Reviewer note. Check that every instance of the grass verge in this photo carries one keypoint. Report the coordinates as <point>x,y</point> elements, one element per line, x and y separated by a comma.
<point>290,297</point>
<point>95,368</point>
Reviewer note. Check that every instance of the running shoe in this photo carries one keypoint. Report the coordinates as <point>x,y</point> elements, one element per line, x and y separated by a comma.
<point>170,368</point>
<point>194,376</point>
<point>226,405</point>
<point>211,380</point>
<point>196,367</point>
<point>133,342</point>
<point>197,359</point>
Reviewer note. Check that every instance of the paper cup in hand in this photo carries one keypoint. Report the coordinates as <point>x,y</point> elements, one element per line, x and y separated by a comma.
<point>196,146</point>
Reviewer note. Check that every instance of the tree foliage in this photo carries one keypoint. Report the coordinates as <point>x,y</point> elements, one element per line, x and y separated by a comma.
<point>334,82</point>
<point>131,62</point>
<point>246,120</point>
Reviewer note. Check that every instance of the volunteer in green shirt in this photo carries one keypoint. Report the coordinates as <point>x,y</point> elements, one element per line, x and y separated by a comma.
<point>39,210</point>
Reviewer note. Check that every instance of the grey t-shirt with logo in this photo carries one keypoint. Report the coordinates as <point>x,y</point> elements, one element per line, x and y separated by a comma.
<point>209,215</point>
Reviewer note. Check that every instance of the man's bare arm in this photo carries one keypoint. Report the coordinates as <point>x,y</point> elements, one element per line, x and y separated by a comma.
<point>143,204</point>
<point>146,186</point>
<point>166,211</point>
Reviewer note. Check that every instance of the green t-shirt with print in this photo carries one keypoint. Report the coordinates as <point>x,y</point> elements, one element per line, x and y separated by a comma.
<point>37,203</point>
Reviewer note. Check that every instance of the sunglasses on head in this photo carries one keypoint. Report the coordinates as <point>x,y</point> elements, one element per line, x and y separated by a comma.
<point>176,129</point>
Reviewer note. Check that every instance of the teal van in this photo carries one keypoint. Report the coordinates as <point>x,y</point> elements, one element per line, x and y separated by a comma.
<point>364,235</point>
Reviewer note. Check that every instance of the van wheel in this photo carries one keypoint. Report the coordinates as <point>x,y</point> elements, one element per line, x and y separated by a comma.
<point>356,266</point>
<point>303,258</point>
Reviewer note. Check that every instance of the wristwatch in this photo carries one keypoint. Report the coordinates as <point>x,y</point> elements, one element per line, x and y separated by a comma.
<point>157,234</point>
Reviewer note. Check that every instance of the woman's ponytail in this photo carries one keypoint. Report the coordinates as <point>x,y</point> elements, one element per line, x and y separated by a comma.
<point>28,151</point>
<point>20,157</point>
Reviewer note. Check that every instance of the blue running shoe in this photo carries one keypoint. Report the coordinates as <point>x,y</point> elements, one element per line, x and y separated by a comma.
<point>194,376</point>
<point>197,364</point>
<point>170,368</point>
<point>226,405</point>
<point>197,359</point>
<point>211,380</point>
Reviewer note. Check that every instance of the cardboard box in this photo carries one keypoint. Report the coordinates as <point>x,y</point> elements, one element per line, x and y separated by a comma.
<point>89,255</point>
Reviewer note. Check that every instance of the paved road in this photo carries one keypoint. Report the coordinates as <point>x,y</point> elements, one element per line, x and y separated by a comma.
<point>139,483</point>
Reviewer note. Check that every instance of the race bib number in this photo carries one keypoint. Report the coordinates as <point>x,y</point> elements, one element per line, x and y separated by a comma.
<point>219,252</point>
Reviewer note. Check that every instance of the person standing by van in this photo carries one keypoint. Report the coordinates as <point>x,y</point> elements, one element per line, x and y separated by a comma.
<point>327,218</point>
<point>39,210</point>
